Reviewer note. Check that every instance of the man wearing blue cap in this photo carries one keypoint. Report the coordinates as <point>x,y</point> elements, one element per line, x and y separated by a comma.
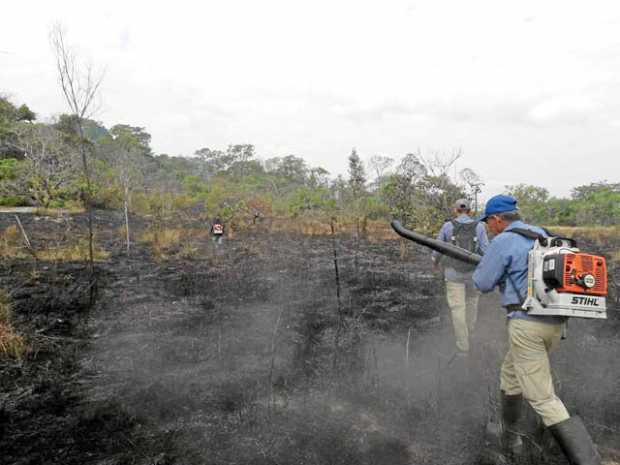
<point>526,372</point>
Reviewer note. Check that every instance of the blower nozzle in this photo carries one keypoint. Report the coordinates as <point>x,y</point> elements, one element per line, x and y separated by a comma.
<point>445,248</point>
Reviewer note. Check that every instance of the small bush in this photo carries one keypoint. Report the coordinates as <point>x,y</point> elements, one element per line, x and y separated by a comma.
<point>11,243</point>
<point>5,307</point>
<point>13,201</point>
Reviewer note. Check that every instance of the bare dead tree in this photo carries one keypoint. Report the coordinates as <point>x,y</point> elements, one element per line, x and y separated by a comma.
<point>51,162</point>
<point>129,175</point>
<point>473,182</point>
<point>439,163</point>
<point>379,164</point>
<point>80,86</point>
<point>438,166</point>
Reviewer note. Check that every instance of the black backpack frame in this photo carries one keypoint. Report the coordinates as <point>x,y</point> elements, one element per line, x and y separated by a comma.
<point>456,228</point>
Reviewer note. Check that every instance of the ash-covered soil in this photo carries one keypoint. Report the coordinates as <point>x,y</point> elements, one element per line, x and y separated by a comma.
<point>256,354</point>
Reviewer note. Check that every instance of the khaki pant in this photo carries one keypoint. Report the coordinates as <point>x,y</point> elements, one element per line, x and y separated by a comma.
<point>526,369</point>
<point>463,303</point>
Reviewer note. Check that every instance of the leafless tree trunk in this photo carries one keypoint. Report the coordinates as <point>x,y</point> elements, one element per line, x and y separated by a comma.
<point>127,177</point>
<point>80,86</point>
<point>440,163</point>
<point>380,165</point>
<point>474,184</point>
<point>407,348</point>
<point>126,205</point>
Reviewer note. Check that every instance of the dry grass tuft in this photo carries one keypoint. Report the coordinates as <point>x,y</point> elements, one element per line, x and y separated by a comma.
<point>372,230</point>
<point>174,242</point>
<point>162,241</point>
<point>5,307</point>
<point>72,253</point>
<point>12,345</point>
<point>11,245</point>
<point>59,212</point>
<point>188,251</point>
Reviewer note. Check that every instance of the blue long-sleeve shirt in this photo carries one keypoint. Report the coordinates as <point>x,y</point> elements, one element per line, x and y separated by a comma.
<point>445,234</point>
<point>505,265</point>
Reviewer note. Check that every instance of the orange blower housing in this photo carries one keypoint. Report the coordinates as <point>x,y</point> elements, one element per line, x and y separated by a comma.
<point>576,273</point>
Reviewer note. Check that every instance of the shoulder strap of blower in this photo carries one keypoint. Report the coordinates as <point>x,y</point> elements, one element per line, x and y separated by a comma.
<point>530,235</point>
<point>536,236</point>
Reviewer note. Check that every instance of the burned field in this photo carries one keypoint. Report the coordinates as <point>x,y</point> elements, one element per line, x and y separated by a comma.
<point>262,353</point>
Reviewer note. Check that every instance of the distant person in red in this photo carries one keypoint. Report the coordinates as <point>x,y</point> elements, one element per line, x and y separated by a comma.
<point>217,231</point>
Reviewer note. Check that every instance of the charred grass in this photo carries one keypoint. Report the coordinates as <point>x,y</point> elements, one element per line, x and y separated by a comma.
<point>245,355</point>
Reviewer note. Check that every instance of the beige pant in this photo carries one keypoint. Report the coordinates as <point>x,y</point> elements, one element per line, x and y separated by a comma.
<point>463,303</point>
<point>526,369</point>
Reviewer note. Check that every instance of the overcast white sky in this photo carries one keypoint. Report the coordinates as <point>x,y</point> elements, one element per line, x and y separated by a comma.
<point>529,90</point>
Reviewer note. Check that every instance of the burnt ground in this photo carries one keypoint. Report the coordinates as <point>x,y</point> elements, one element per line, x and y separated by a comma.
<point>247,356</point>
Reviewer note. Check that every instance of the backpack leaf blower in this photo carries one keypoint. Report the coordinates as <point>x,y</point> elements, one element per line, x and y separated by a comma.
<point>562,280</point>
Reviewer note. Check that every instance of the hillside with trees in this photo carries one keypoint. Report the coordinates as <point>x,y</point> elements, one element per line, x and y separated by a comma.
<point>40,165</point>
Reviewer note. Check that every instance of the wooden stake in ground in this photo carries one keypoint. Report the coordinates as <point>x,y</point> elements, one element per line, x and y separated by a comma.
<point>407,348</point>
<point>25,236</point>
<point>339,302</point>
<point>407,387</point>
<point>273,356</point>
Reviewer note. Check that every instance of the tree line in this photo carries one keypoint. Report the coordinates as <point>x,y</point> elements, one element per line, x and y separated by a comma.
<point>40,165</point>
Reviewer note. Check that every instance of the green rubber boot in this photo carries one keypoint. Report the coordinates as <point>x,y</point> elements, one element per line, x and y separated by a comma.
<point>575,441</point>
<point>511,413</point>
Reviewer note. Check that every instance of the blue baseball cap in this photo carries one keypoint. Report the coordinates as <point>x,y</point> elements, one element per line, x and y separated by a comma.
<point>499,204</point>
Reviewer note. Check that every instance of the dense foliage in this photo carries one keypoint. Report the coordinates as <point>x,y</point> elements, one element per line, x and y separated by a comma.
<point>39,165</point>
<point>592,204</point>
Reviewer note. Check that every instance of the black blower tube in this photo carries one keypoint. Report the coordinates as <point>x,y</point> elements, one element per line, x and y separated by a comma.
<point>445,248</point>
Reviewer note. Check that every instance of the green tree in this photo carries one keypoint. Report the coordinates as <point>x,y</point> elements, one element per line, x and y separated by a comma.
<point>133,137</point>
<point>307,199</point>
<point>357,175</point>
<point>400,191</point>
<point>290,168</point>
<point>597,203</point>
<point>586,191</point>
<point>8,123</point>
<point>25,114</point>
<point>240,158</point>
<point>13,182</point>
<point>532,202</point>
<point>212,161</point>
<point>318,177</point>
